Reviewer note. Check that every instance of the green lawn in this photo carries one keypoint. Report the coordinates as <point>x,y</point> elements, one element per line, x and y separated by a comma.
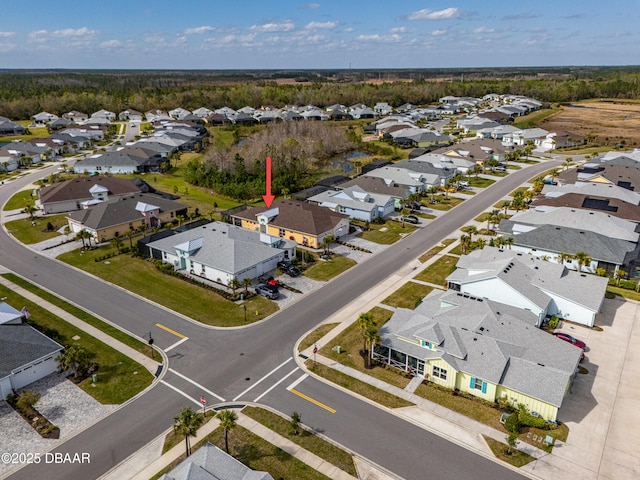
<point>408,295</point>
<point>30,232</point>
<point>141,277</point>
<point>480,182</point>
<point>516,458</point>
<point>514,167</point>
<point>324,270</point>
<point>316,445</point>
<point>20,200</point>
<point>427,255</point>
<point>119,377</point>
<point>389,232</point>
<point>533,119</point>
<point>483,217</point>
<point>438,271</point>
<point>444,203</point>
<point>623,292</point>
<point>316,335</point>
<point>519,189</point>
<point>110,330</point>
<point>40,132</point>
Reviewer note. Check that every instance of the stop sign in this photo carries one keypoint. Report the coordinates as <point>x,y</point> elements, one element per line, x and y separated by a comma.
<point>203,400</point>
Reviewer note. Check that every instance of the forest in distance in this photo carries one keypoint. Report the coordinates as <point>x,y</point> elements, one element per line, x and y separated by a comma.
<point>26,92</point>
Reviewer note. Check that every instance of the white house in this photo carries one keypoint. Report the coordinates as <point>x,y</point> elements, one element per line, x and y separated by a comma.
<point>356,202</point>
<point>526,282</point>
<point>26,355</point>
<point>220,252</point>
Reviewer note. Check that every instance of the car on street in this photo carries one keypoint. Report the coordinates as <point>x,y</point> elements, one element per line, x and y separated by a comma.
<point>269,291</point>
<point>289,268</point>
<point>410,219</point>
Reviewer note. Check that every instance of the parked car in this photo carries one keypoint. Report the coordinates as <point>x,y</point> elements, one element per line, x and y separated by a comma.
<point>269,291</point>
<point>288,268</point>
<point>572,340</point>
<point>410,219</point>
<point>500,169</point>
<point>414,206</point>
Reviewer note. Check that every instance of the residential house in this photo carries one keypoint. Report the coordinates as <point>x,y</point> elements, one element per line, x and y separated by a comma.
<point>496,132</point>
<point>114,217</point>
<point>413,181</point>
<point>130,115</point>
<point>450,162</point>
<point>544,288</point>
<point>382,108</point>
<point>79,192</point>
<point>157,115</point>
<point>435,174</point>
<point>305,223</point>
<point>420,137</point>
<point>103,114</point>
<point>378,186</point>
<point>356,203</point>
<point>473,124</point>
<point>562,139</point>
<point>524,136</point>
<point>202,112</point>
<point>76,116</point>
<point>118,162</point>
<point>361,111</point>
<point>7,127</point>
<point>26,355</point>
<point>210,463</point>
<point>55,146</point>
<point>60,123</point>
<point>625,176</point>
<point>221,252</point>
<point>42,119</point>
<point>9,158</point>
<point>179,113</point>
<point>483,348</point>
<point>612,206</point>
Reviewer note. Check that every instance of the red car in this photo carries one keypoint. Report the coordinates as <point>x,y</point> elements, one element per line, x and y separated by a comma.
<point>572,340</point>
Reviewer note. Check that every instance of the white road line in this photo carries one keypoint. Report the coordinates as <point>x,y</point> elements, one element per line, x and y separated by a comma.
<point>196,384</point>
<point>268,374</point>
<point>278,383</point>
<point>182,340</point>
<point>181,393</point>
<point>297,382</point>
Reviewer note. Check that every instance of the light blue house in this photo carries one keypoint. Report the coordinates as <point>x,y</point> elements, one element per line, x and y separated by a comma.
<point>356,203</point>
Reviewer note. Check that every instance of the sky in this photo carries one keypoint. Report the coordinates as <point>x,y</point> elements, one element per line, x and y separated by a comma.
<point>324,34</point>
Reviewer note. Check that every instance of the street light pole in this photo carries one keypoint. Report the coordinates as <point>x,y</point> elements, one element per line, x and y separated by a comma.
<point>244,306</point>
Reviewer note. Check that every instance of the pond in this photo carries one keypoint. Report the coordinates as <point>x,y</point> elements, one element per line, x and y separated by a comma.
<point>345,162</point>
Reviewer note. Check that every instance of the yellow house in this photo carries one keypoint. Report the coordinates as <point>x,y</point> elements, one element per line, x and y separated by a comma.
<point>113,218</point>
<point>306,224</point>
<point>484,348</point>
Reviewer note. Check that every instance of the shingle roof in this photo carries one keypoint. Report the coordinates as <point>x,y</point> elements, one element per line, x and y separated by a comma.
<point>121,210</point>
<point>499,343</point>
<point>570,240</point>
<point>210,463</point>
<point>596,189</point>
<point>613,206</point>
<point>21,344</point>
<point>298,216</point>
<point>79,188</point>
<point>376,185</point>
<point>222,246</point>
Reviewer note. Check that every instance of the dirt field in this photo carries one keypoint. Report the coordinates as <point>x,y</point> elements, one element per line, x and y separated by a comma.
<point>610,122</point>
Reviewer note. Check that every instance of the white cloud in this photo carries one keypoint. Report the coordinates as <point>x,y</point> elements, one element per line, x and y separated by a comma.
<point>437,33</point>
<point>273,27</point>
<point>70,32</point>
<point>400,30</point>
<point>379,38</point>
<point>38,36</point>
<point>484,29</point>
<point>426,14</point>
<point>111,44</point>
<point>310,6</point>
<point>6,34</point>
<point>321,25</point>
<point>198,30</point>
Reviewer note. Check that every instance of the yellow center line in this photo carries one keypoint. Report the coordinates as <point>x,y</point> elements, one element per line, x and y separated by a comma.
<point>321,405</point>
<point>167,329</point>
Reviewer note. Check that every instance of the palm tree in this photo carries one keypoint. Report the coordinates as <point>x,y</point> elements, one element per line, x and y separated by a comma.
<point>285,192</point>
<point>480,243</point>
<point>471,230</point>
<point>31,211</point>
<point>326,243</point>
<point>432,191</point>
<point>366,321</point>
<point>371,337</point>
<point>493,218</point>
<point>187,424</point>
<point>246,282</point>
<point>619,274</point>
<point>509,241</point>
<point>116,242</point>
<point>181,218</point>
<point>228,420</point>
<point>82,234</point>
<point>583,259</point>
<point>465,243</point>
<point>233,284</point>
<point>567,163</point>
<point>565,257</point>
<point>506,204</point>
<point>130,234</point>
<point>73,357</point>
<point>500,242</point>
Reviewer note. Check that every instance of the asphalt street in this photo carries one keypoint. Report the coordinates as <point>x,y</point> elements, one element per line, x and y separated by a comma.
<point>228,362</point>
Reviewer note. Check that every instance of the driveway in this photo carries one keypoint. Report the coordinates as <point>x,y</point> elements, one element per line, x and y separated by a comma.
<point>602,409</point>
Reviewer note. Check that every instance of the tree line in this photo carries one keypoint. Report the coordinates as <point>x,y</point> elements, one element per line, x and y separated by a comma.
<point>24,93</point>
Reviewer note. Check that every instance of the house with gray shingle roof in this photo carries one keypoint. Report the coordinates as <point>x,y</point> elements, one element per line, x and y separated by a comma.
<point>356,203</point>
<point>26,355</point>
<point>210,463</point>
<point>114,217</point>
<point>524,281</point>
<point>484,348</point>
<point>220,252</point>
<point>378,186</point>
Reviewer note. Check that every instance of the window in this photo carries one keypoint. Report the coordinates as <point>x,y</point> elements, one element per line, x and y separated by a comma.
<point>191,264</point>
<point>281,232</point>
<point>341,209</point>
<point>440,373</point>
<point>204,269</point>
<point>478,384</point>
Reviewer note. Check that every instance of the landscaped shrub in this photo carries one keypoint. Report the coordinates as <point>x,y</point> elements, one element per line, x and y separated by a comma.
<point>512,424</point>
<point>529,420</point>
<point>553,322</point>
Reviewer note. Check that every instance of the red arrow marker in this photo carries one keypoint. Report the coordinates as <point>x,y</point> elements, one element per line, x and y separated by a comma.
<point>268,198</point>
